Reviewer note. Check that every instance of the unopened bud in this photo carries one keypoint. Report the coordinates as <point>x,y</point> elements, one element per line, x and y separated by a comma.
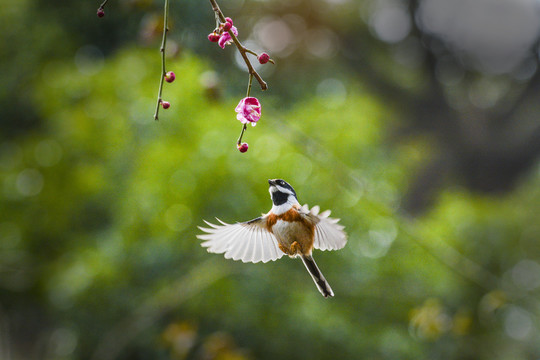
<point>169,77</point>
<point>243,147</point>
<point>263,58</point>
<point>213,37</point>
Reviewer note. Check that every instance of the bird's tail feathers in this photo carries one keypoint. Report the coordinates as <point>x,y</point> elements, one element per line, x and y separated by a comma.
<point>318,278</point>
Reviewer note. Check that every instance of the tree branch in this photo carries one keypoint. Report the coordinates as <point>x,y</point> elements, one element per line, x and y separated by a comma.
<point>243,51</point>
<point>162,50</point>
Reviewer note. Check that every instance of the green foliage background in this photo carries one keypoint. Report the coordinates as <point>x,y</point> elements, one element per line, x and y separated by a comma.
<point>100,208</point>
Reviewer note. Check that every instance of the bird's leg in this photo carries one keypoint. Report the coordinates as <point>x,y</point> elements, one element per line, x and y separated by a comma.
<point>295,248</point>
<point>284,249</point>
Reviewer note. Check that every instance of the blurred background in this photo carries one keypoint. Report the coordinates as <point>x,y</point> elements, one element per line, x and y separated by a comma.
<point>417,122</point>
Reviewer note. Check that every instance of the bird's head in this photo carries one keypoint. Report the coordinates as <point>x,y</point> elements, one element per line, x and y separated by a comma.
<point>282,193</point>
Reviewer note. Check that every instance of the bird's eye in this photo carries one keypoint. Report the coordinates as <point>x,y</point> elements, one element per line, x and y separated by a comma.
<point>281,182</point>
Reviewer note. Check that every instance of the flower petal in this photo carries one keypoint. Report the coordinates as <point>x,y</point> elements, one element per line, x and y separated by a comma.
<point>249,110</point>
<point>224,39</point>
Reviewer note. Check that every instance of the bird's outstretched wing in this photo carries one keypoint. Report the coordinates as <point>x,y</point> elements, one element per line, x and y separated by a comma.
<point>329,235</point>
<point>248,241</point>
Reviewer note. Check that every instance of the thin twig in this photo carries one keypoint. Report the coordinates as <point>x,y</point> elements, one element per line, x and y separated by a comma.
<point>162,50</point>
<point>240,47</point>
<point>249,85</point>
<point>102,6</point>
<point>244,127</point>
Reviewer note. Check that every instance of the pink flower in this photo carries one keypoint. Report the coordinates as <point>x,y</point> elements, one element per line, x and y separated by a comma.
<point>226,38</point>
<point>249,110</point>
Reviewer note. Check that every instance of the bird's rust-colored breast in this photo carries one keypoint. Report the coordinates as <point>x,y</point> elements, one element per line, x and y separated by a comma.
<point>289,216</point>
<point>301,230</point>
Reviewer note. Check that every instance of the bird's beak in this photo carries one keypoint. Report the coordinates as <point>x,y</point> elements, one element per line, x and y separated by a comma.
<point>271,182</point>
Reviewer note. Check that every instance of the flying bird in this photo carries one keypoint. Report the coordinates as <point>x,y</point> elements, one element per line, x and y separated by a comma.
<point>288,228</point>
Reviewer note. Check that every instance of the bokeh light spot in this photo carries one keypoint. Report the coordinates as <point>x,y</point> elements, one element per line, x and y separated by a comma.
<point>526,274</point>
<point>275,35</point>
<point>178,217</point>
<point>29,182</point>
<point>391,23</point>
<point>63,342</point>
<point>495,34</point>
<point>322,43</point>
<point>379,238</point>
<point>48,152</point>
<point>518,323</point>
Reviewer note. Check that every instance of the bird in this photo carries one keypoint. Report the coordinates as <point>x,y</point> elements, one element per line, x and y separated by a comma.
<point>287,229</point>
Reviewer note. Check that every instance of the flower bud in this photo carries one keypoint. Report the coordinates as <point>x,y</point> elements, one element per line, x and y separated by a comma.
<point>229,20</point>
<point>100,12</point>
<point>165,104</point>
<point>263,58</point>
<point>213,37</point>
<point>169,77</point>
<point>242,147</point>
<point>227,26</point>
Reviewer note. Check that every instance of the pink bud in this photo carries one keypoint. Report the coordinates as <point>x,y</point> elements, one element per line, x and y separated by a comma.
<point>100,12</point>
<point>242,147</point>
<point>165,104</point>
<point>263,58</point>
<point>227,26</point>
<point>169,77</point>
<point>213,37</point>
<point>229,20</point>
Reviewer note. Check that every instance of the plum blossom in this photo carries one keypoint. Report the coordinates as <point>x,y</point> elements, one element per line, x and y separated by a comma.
<point>226,38</point>
<point>249,110</point>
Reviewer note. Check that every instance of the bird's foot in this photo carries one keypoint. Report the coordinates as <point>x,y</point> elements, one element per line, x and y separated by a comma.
<point>284,249</point>
<point>295,248</point>
<point>292,251</point>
